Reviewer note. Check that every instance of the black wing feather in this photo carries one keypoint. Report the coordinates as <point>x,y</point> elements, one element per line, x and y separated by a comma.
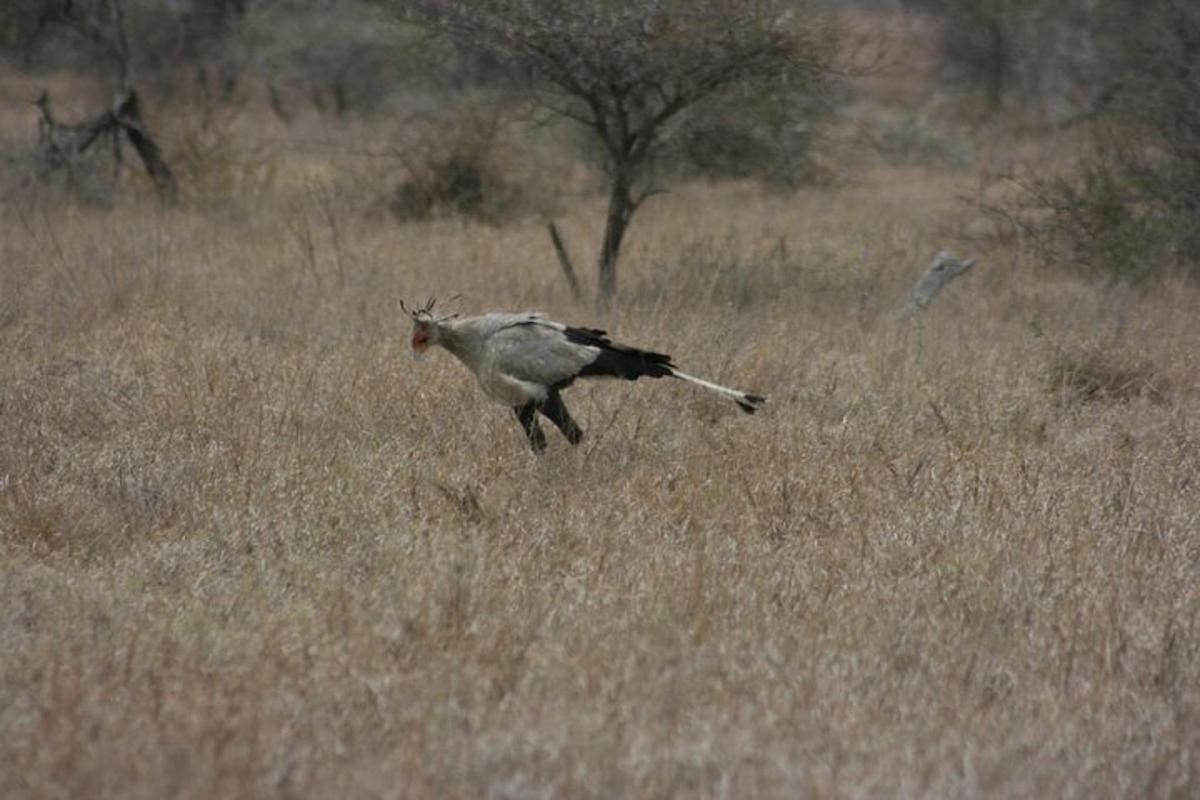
<point>618,360</point>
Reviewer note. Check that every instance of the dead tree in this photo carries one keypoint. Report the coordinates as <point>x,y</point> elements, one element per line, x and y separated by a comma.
<point>62,145</point>
<point>945,268</point>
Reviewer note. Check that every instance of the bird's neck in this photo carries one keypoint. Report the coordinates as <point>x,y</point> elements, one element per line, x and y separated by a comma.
<point>456,343</point>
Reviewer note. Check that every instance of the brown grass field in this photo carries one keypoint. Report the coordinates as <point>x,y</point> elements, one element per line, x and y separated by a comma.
<point>250,548</point>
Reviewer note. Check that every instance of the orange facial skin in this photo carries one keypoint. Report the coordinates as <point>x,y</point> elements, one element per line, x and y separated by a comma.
<point>420,340</point>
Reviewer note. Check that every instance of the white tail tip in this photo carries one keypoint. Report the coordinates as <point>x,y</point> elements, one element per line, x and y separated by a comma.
<point>746,401</point>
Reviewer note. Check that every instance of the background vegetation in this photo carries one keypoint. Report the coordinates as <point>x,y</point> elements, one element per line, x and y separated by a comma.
<point>249,547</point>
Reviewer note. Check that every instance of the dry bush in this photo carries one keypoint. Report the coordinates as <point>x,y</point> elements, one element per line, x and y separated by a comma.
<point>343,58</point>
<point>1123,208</point>
<point>1105,374</point>
<point>1114,215</point>
<point>92,181</point>
<point>33,170</point>
<point>909,140</point>
<point>215,163</point>
<point>465,167</point>
<point>765,135</point>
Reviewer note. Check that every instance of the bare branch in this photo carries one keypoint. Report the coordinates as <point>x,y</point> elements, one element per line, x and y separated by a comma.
<point>564,259</point>
<point>646,194</point>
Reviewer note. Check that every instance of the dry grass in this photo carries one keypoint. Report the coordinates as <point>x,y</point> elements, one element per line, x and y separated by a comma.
<point>249,548</point>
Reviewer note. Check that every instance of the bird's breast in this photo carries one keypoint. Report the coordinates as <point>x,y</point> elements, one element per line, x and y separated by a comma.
<point>509,390</point>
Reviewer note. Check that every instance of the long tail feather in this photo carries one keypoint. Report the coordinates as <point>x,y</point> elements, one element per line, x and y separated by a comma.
<point>621,361</point>
<point>746,401</point>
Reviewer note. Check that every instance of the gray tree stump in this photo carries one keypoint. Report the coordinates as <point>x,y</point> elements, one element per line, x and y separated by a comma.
<point>945,268</point>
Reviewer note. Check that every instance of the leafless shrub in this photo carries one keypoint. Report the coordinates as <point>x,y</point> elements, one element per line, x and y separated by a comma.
<point>463,167</point>
<point>765,136</point>
<point>1127,209</point>
<point>1086,218</point>
<point>1099,373</point>
<point>910,140</point>
<point>214,163</point>
<point>454,184</point>
<point>90,181</point>
<point>999,55</point>
<point>1099,376</point>
<point>341,57</point>
<point>1048,61</point>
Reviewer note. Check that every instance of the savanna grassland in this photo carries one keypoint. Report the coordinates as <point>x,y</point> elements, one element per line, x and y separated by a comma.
<point>249,547</point>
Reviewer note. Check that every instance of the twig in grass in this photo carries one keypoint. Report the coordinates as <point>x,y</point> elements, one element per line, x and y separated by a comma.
<point>564,259</point>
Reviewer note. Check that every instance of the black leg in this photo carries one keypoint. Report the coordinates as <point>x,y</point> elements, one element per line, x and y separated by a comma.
<point>556,412</point>
<point>527,415</point>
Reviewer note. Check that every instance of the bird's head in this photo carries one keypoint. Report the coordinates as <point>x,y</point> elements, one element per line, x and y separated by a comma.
<point>426,326</point>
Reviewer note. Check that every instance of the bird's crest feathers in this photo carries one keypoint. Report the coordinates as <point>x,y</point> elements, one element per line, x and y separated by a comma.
<point>425,313</point>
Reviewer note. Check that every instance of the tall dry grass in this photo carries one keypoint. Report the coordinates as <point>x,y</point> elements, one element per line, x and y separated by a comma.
<point>249,548</point>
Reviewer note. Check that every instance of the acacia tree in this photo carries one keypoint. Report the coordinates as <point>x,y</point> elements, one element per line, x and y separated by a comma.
<point>627,68</point>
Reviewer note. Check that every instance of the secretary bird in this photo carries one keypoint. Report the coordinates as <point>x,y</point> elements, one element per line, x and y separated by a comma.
<point>525,360</point>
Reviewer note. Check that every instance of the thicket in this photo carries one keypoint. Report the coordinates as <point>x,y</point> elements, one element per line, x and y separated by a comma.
<point>1131,208</point>
<point>1124,78</point>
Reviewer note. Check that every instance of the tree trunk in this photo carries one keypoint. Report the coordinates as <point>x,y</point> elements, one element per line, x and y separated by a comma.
<point>128,113</point>
<point>997,65</point>
<point>620,210</point>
